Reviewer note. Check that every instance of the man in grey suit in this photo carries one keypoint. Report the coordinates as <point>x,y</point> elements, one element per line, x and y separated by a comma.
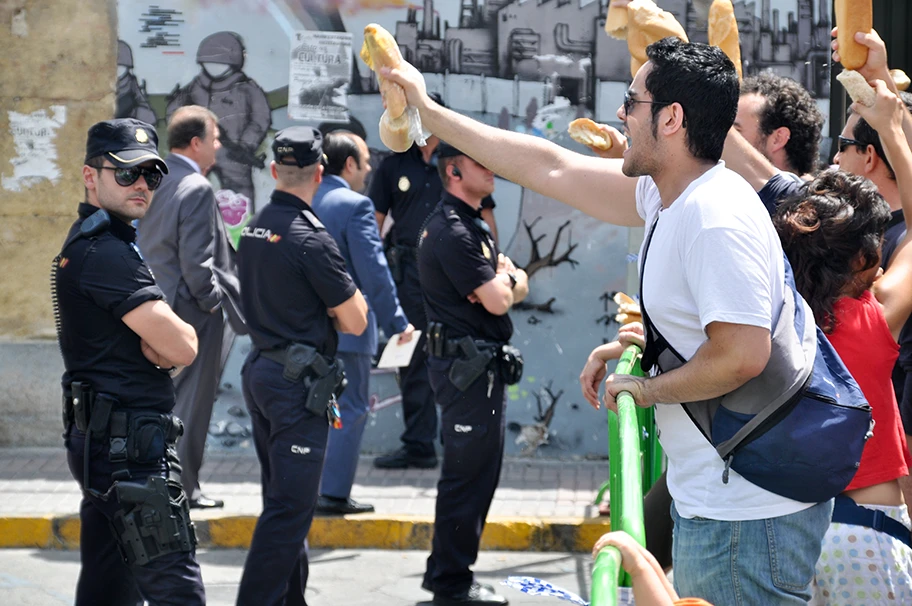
<point>184,242</point>
<point>349,218</point>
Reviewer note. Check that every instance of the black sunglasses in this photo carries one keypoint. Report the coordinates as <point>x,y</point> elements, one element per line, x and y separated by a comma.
<point>844,142</point>
<point>629,102</point>
<point>125,177</point>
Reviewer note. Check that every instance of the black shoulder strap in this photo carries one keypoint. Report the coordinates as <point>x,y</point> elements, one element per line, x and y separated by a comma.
<point>656,344</point>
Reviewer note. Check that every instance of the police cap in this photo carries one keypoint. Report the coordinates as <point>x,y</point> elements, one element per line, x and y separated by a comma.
<point>298,146</point>
<point>125,142</point>
<point>445,150</point>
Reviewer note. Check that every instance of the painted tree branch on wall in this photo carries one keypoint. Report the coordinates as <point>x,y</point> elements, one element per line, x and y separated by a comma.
<point>552,259</point>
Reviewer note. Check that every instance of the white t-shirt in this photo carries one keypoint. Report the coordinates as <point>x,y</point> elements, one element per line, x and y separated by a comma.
<point>715,257</point>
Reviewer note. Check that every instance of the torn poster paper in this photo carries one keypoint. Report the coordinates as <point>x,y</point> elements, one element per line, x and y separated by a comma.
<point>34,137</point>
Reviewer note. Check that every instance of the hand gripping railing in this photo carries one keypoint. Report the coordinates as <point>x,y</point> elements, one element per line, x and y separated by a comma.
<point>633,448</point>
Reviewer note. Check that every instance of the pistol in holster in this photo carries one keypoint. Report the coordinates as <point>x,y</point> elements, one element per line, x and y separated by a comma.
<point>473,363</point>
<point>322,380</point>
<point>153,521</point>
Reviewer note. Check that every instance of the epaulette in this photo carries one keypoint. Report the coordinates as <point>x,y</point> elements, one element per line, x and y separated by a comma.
<point>452,215</point>
<point>312,219</point>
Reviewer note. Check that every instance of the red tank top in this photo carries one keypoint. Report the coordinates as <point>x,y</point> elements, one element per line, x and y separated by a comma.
<point>863,341</point>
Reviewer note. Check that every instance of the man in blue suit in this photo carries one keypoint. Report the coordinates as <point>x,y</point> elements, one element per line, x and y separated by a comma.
<point>349,218</point>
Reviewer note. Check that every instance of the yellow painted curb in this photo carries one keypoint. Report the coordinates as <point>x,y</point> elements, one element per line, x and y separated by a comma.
<point>352,532</point>
<point>27,532</point>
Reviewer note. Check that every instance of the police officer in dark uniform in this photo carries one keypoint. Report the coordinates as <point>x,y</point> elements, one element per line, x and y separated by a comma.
<point>468,288</point>
<point>119,340</point>
<point>408,186</point>
<point>295,293</point>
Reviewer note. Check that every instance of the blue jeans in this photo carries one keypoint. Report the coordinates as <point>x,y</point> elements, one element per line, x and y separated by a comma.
<point>768,561</point>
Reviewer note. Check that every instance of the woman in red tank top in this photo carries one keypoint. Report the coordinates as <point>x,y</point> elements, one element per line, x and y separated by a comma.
<point>832,233</point>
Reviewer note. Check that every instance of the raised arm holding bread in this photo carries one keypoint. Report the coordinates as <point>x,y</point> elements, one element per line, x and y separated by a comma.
<point>381,50</point>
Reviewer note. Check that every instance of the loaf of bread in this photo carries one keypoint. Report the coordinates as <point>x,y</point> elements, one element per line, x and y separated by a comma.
<point>628,309</point>
<point>647,23</point>
<point>857,87</point>
<point>852,16</point>
<point>723,31</point>
<point>381,50</point>
<point>616,20</point>
<point>587,132</point>
<point>900,79</point>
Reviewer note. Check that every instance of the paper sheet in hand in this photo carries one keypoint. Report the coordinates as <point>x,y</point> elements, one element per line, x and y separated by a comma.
<point>396,355</point>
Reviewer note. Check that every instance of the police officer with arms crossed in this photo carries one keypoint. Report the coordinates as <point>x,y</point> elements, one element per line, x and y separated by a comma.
<point>468,289</point>
<point>295,293</point>
<point>408,186</point>
<point>119,340</point>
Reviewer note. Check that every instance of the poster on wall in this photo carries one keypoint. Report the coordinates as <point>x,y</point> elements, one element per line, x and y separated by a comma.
<point>320,74</point>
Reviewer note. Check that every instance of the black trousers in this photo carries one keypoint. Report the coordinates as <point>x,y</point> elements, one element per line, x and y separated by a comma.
<point>418,409</point>
<point>104,578</point>
<point>290,444</point>
<point>473,444</point>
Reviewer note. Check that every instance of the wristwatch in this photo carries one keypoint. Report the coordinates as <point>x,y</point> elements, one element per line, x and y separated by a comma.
<point>513,280</point>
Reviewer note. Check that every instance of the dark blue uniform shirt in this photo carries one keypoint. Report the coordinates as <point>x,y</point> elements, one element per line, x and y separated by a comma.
<point>290,271</point>
<point>457,255</point>
<point>99,280</point>
<point>411,189</point>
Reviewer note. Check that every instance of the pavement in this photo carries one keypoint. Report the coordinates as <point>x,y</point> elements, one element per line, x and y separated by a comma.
<point>367,577</point>
<point>540,505</point>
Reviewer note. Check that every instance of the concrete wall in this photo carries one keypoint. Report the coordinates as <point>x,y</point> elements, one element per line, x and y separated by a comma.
<point>56,79</point>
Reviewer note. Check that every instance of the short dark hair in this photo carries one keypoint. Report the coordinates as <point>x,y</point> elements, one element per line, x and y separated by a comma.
<point>704,81</point>
<point>95,161</point>
<point>339,146</point>
<point>188,122</point>
<point>833,222</point>
<point>442,164</point>
<point>787,103</point>
<point>865,133</point>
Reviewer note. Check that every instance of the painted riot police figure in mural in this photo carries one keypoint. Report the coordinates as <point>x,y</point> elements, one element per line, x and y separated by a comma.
<point>132,101</point>
<point>239,103</point>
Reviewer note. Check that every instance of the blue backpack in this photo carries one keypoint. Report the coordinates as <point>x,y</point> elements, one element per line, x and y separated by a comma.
<point>799,428</point>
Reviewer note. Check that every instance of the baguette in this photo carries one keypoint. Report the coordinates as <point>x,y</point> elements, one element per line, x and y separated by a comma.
<point>852,16</point>
<point>900,79</point>
<point>616,21</point>
<point>647,23</point>
<point>723,31</point>
<point>381,50</point>
<point>587,132</point>
<point>857,87</point>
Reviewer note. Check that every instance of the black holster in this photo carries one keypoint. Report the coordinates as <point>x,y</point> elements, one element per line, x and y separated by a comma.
<point>154,520</point>
<point>322,380</point>
<point>473,363</point>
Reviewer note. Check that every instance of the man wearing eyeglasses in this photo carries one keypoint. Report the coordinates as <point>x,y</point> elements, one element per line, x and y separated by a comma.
<point>120,340</point>
<point>713,282</point>
<point>184,241</point>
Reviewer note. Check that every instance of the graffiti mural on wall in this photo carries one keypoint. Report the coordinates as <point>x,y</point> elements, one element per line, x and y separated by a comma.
<point>526,65</point>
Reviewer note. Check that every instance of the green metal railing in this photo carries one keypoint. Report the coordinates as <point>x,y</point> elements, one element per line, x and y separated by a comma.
<point>635,464</point>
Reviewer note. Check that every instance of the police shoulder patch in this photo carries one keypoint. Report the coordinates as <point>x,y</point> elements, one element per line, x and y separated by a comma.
<point>312,219</point>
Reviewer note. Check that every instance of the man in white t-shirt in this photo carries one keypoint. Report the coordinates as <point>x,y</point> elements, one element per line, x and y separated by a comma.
<point>713,283</point>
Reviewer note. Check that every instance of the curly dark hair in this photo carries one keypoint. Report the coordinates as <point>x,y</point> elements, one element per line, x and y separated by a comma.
<point>831,226</point>
<point>704,81</point>
<point>788,104</point>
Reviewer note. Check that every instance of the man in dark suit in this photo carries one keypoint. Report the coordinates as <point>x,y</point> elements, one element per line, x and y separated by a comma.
<point>349,218</point>
<point>184,241</point>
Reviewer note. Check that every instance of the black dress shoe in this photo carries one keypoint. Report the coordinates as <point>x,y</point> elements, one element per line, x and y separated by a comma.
<point>403,459</point>
<point>476,594</point>
<point>204,502</point>
<point>343,506</point>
